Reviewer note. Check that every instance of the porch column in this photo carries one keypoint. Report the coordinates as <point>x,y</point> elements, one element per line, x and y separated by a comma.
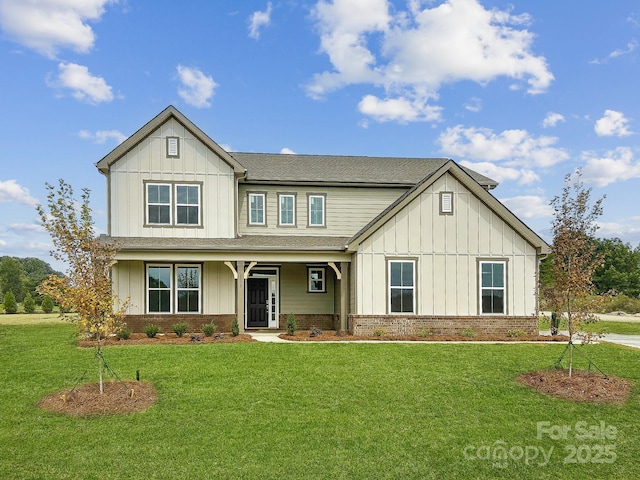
<point>240,295</point>
<point>344,294</point>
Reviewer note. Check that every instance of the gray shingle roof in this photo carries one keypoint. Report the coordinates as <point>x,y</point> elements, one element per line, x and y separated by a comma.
<point>247,242</point>
<point>274,167</point>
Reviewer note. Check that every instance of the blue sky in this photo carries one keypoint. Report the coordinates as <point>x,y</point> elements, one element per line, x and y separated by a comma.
<point>522,91</point>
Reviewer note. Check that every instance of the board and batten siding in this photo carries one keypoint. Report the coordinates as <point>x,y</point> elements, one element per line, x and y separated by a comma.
<point>447,249</point>
<point>294,295</point>
<point>217,289</point>
<point>347,209</point>
<point>148,162</point>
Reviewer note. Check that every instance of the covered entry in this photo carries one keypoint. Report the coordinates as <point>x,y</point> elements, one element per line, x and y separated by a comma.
<point>262,294</point>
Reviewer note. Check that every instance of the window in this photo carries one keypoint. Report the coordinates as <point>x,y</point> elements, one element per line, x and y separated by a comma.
<point>169,204</point>
<point>317,282</point>
<point>401,276</point>
<point>159,289</point>
<point>187,204</point>
<point>446,203</point>
<point>158,204</point>
<point>256,209</point>
<point>164,295</point>
<point>316,210</point>
<point>287,209</point>
<point>188,288</point>
<point>492,287</point>
<point>173,147</point>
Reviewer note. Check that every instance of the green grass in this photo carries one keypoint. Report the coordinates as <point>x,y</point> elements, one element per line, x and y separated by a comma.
<point>30,318</point>
<point>303,411</point>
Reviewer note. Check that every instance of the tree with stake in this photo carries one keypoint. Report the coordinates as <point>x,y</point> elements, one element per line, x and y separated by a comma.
<point>86,289</point>
<point>575,256</point>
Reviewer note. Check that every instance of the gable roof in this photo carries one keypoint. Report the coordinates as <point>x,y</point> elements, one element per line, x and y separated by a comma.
<point>337,169</point>
<point>463,177</point>
<point>106,162</point>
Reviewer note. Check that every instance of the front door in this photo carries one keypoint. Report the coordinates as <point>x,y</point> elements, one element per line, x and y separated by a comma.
<point>258,307</point>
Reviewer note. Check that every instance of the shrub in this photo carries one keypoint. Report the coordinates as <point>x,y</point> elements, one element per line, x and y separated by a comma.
<point>315,332</point>
<point>291,324</point>
<point>379,332</point>
<point>180,328</point>
<point>47,304</point>
<point>28,304</point>
<point>208,329</point>
<point>468,332</point>
<point>515,333</point>
<point>124,333</point>
<point>10,304</point>
<point>424,332</point>
<point>151,330</point>
<point>235,329</point>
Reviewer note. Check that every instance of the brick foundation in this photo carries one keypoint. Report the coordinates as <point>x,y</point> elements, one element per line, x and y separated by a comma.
<point>410,325</point>
<point>305,321</point>
<point>136,323</point>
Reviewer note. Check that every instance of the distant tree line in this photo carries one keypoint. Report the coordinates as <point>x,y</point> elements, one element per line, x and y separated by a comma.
<point>619,274</point>
<point>21,276</point>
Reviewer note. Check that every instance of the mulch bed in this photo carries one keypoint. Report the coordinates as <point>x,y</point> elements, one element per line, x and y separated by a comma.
<point>582,386</point>
<point>169,339</point>
<point>333,336</point>
<point>118,397</point>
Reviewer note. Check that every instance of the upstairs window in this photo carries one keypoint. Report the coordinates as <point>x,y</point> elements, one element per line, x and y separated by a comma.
<point>188,204</point>
<point>316,210</point>
<point>169,204</point>
<point>492,287</point>
<point>158,204</point>
<point>287,209</point>
<point>256,209</point>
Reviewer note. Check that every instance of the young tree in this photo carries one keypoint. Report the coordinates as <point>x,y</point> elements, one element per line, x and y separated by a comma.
<point>10,304</point>
<point>47,304</point>
<point>12,277</point>
<point>87,287</point>
<point>28,304</point>
<point>575,256</point>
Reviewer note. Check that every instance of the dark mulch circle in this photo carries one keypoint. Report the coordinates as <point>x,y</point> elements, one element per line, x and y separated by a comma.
<point>118,397</point>
<point>582,386</point>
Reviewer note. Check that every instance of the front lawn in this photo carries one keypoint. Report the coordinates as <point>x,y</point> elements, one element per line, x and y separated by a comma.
<point>280,411</point>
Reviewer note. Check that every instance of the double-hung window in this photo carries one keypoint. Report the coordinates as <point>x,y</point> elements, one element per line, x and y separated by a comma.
<point>158,204</point>
<point>173,204</point>
<point>257,209</point>
<point>173,288</point>
<point>187,204</point>
<point>402,280</point>
<point>316,210</point>
<point>317,281</point>
<point>287,209</point>
<point>492,287</point>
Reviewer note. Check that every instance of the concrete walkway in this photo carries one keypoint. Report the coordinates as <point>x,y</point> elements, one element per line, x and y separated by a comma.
<point>273,337</point>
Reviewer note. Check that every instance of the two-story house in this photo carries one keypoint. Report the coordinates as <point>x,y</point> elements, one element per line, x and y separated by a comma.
<point>351,243</point>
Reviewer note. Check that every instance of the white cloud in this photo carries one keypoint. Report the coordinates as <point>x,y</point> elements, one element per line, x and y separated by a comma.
<point>631,47</point>
<point>501,173</point>
<point>49,25</point>
<point>402,110</point>
<point>612,124</point>
<point>101,136</point>
<point>515,148</point>
<point>287,151</point>
<point>197,88</point>
<point>84,86</point>
<point>552,119</point>
<point>528,206</point>
<point>420,50</point>
<point>258,20</point>
<point>615,166</point>
<point>11,192</point>
<point>26,228</point>
<point>473,105</point>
